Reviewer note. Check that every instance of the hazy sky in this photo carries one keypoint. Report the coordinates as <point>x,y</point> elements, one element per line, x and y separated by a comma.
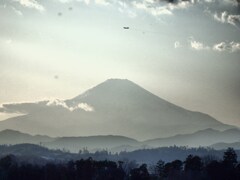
<point>187,52</point>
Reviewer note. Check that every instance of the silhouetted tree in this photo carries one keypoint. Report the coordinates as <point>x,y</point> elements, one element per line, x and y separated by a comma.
<point>20,168</point>
<point>140,173</point>
<point>160,168</point>
<point>193,167</point>
<point>215,170</point>
<point>193,163</point>
<point>230,157</point>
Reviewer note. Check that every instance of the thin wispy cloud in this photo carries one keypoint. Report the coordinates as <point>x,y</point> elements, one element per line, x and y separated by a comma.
<point>229,47</point>
<point>23,108</point>
<point>18,12</point>
<point>31,4</point>
<point>157,8</point>
<point>177,44</point>
<point>84,106</point>
<point>196,45</point>
<point>225,17</point>
<point>102,2</point>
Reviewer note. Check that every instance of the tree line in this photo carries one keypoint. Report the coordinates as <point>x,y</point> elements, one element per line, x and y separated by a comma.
<point>192,168</point>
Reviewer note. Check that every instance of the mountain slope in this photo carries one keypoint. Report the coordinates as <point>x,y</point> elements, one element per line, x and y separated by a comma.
<point>205,137</point>
<point>73,144</point>
<point>15,137</point>
<point>92,143</point>
<point>222,145</point>
<point>116,107</point>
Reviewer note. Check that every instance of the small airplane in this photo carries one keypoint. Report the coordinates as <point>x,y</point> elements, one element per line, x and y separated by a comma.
<point>125,27</point>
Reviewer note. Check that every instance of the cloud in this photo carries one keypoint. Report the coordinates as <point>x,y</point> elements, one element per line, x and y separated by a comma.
<point>18,12</point>
<point>196,45</point>
<point>31,4</point>
<point>65,1</point>
<point>21,107</point>
<point>157,8</point>
<point>230,47</point>
<point>31,107</point>
<point>87,1</point>
<point>232,2</point>
<point>218,47</point>
<point>224,11</point>
<point>153,10</point>
<point>177,44</point>
<point>57,102</point>
<point>225,17</point>
<point>83,106</point>
<point>102,2</point>
<point>130,13</point>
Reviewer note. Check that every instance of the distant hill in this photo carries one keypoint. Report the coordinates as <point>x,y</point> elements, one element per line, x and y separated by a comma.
<point>41,155</point>
<point>15,137</point>
<point>92,143</point>
<point>73,144</point>
<point>221,145</point>
<point>205,137</point>
<point>116,107</point>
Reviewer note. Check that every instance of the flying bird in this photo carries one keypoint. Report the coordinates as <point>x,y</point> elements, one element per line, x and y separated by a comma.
<point>125,27</point>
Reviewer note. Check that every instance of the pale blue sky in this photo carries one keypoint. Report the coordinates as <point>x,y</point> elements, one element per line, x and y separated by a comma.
<point>187,52</point>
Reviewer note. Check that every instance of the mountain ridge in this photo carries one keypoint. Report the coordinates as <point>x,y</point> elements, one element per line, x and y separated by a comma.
<point>116,107</point>
<point>218,140</point>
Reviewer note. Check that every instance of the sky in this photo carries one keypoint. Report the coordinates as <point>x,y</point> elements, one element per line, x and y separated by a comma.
<point>186,52</point>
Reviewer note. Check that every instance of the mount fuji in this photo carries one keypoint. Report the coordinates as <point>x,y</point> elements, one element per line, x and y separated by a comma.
<point>114,107</point>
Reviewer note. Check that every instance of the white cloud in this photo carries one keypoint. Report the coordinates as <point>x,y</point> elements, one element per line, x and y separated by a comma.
<point>18,12</point>
<point>179,5</point>
<point>157,8</point>
<point>124,8</point>
<point>198,45</point>
<point>155,11</point>
<point>102,2</point>
<point>177,44</point>
<point>231,2</point>
<point>220,47</point>
<point>230,47</point>
<point>235,46</point>
<point>129,13</point>
<point>87,1</point>
<point>225,17</point>
<point>234,19</point>
<point>83,106</point>
<point>31,4</point>
<point>57,102</point>
<point>65,1</point>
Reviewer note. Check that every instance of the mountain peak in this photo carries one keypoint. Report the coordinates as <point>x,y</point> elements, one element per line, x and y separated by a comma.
<point>116,80</point>
<point>9,131</point>
<point>119,107</point>
<point>112,89</point>
<point>120,94</point>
